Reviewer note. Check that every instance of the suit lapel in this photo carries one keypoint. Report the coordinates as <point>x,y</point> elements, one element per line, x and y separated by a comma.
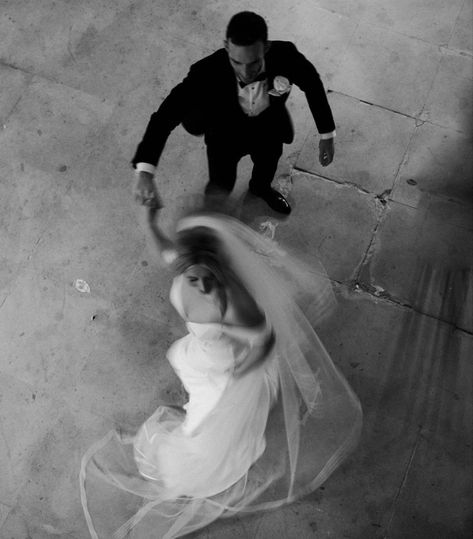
<point>225,78</point>
<point>270,67</point>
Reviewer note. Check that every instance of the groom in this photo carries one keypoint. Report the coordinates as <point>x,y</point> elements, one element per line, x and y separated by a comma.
<point>236,98</point>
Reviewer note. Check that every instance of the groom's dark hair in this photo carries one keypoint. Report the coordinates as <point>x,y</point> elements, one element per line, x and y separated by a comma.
<point>246,28</point>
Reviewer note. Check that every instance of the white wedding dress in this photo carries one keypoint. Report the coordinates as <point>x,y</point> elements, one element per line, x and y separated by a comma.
<point>240,444</point>
<point>212,445</point>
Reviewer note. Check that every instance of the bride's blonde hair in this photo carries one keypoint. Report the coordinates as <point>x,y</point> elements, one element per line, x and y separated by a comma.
<point>201,246</point>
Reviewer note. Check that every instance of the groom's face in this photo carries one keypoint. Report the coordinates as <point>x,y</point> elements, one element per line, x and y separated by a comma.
<point>246,60</point>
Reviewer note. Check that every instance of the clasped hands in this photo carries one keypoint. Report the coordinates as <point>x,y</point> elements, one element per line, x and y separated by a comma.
<point>145,191</point>
<point>147,196</point>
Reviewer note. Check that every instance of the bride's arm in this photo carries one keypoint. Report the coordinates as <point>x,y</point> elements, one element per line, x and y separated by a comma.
<point>165,246</point>
<point>258,353</point>
<point>245,312</point>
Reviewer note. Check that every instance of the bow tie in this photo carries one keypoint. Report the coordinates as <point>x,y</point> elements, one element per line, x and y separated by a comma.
<point>260,77</point>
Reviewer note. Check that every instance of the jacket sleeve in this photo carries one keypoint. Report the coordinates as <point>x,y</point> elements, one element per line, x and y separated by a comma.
<point>306,77</point>
<point>168,116</point>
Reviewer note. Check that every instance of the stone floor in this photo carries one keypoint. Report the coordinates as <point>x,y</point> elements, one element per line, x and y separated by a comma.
<point>391,219</point>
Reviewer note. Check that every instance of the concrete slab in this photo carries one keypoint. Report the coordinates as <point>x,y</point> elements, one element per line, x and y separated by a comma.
<point>62,162</point>
<point>424,261</point>
<point>49,499</point>
<point>415,384</point>
<point>49,256</point>
<point>58,340</point>
<point>428,20</point>
<point>125,55</point>
<point>46,501</point>
<point>26,413</point>
<point>12,84</point>
<point>449,102</point>
<point>38,200</point>
<point>126,383</point>
<point>396,373</point>
<point>4,510</point>
<point>200,24</point>
<point>322,36</point>
<point>16,525</point>
<point>297,520</point>
<point>104,50</point>
<point>191,178</point>
<point>38,41</point>
<point>50,124</point>
<point>425,504</point>
<point>369,149</point>
<point>462,36</point>
<point>439,162</point>
<point>455,213</point>
<point>209,19</point>
<point>49,503</point>
<point>354,9</point>
<point>326,224</point>
<point>387,69</point>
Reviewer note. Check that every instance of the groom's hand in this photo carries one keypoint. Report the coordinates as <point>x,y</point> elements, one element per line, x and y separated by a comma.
<point>326,151</point>
<point>145,191</point>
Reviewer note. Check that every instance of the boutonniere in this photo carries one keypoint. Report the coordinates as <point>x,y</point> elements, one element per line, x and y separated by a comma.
<point>281,86</point>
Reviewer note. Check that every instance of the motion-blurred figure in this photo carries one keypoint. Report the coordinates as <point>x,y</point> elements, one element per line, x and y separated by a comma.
<point>268,417</point>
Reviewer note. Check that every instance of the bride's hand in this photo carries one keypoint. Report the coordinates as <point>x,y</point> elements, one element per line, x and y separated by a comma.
<point>256,356</point>
<point>152,213</point>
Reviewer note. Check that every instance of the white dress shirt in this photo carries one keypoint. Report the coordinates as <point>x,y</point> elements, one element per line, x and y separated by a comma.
<point>253,97</point>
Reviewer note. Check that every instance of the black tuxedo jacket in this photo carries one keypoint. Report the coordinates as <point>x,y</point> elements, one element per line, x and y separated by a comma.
<point>206,101</point>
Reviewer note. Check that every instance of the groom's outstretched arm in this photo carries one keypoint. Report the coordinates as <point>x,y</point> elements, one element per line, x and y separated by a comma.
<point>168,116</point>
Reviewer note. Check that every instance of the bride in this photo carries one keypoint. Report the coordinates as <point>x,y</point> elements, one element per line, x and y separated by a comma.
<point>268,416</point>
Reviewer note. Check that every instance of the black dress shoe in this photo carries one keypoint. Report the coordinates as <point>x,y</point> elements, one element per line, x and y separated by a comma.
<point>274,200</point>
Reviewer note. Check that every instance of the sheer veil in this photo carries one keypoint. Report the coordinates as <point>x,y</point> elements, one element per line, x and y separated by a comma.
<point>313,425</point>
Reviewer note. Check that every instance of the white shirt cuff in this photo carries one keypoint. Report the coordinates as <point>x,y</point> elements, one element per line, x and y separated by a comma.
<point>145,167</point>
<point>325,136</point>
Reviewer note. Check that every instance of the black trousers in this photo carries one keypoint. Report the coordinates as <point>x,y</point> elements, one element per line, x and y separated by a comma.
<point>256,137</point>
